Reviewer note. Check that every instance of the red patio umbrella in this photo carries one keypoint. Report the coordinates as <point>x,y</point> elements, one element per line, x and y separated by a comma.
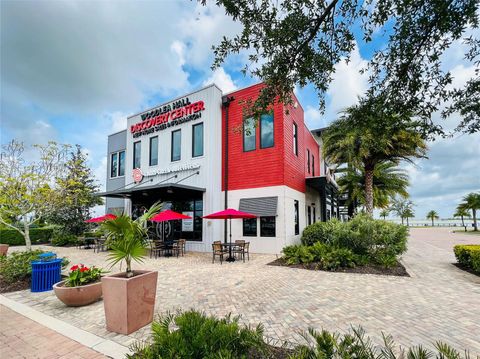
<point>168,215</point>
<point>101,218</point>
<point>230,213</point>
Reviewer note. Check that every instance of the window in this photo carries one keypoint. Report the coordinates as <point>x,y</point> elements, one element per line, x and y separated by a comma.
<point>249,135</point>
<point>295,139</point>
<point>137,153</point>
<point>297,224</point>
<point>176,145</point>
<point>313,165</point>
<point>314,213</point>
<point>153,161</point>
<point>249,227</point>
<point>114,165</point>
<point>309,216</point>
<point>267,226</point>
<point>308,160</point>
<point>197,140</point>
<point>266,131</point>
<point>121,163</point>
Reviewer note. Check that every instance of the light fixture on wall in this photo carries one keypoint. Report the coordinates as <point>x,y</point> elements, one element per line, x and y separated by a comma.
<point>169,190</point>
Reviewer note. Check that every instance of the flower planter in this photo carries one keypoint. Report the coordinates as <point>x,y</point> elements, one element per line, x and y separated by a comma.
<point>129,302</point>
<point>3,249</point>
<point>78,296</point>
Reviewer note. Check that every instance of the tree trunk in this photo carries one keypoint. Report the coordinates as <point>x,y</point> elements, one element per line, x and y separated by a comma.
<point>26,227</point>
<point>408,224</point>
<point>475,226</point>
<point>463,223</point>
<point>432,223</point>
<point>402,220</point>
<point>369,191</point>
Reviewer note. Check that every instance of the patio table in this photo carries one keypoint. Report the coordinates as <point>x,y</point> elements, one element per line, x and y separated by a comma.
<point>230,246</point>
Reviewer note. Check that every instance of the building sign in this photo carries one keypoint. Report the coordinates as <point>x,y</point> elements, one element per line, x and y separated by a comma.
<point>137,175</point>
<point>187,224</point>
<point>163,117</point>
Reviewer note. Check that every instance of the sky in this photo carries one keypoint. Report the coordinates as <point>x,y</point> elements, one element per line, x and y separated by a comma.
<point>73,71</point>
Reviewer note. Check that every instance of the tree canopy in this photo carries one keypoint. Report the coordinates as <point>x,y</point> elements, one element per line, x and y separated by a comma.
<point>299,42</point>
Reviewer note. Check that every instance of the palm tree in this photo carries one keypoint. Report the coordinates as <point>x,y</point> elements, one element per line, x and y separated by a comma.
<point>367,135</point>
<point>432,215</point>
<point>384,213</point>
<point>461,212</point>
<point>127,238</point>
<point>408,213</point>
<point>472,202</point>
<point>402,207</point>
<point>388,181</point>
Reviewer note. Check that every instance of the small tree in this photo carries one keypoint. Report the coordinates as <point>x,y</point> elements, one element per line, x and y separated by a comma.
<point>461,212</point>
<point>76,191</point>
<point>408,213</point>
<point>472,202</point>
<point>26,188</point>
<point>432,215</point>
<point>401,207</point>
<point>384,213</point>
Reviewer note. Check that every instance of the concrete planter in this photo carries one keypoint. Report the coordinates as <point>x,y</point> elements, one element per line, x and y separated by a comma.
<point>78,296</point>
<point>3,249</point>
<point>129,302</point>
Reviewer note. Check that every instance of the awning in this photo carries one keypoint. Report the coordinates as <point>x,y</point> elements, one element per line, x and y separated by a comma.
<point>128,192</point>
<point>261,206</point>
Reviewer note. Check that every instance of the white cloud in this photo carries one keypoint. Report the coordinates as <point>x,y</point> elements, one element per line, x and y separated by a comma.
<point>347,85</point>
<point>222,80</point>
<point>313,118</point>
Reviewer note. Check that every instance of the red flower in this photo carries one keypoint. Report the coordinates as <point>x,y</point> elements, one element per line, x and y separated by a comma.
<point>84,269</point>
<point>75,267</point>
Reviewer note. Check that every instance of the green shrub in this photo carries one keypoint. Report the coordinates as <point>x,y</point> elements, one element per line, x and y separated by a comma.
<point>96,234</point>
<point>197,335</point>
<point>326,256</point>
<point>373,241</point>
<point>62,238</point>
<point>323,232</point>
<point>37,236</point>
<point>468,256</point>
<point>356,344</point>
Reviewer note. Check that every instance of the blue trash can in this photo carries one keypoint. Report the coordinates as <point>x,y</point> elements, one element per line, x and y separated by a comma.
<point>46,271</point>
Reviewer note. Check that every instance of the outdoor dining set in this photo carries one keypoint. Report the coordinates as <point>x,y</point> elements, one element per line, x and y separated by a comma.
<point>239,249</point>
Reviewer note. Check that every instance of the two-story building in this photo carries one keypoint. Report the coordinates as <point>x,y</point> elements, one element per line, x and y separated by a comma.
<point>199,154</point>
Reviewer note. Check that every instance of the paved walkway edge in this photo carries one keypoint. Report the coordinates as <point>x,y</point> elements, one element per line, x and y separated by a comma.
<point>99,344</point>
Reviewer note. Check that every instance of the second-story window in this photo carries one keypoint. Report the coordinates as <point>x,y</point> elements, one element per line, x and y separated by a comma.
<point>114,165</point>
<point>249,135</point>
<point>197,140</point>
<point>308,160</point>
<point>295,139</point>
<point>266,131</point>
<point>153,160</point>
<point>121,163</point>
<point>313,165</point>
<point>137,154</point>
<point>176,145</point>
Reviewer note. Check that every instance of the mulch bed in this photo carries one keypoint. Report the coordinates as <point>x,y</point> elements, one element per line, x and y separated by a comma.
<point>15,286</point>
<point>397,270</point>
<point>466,269</point>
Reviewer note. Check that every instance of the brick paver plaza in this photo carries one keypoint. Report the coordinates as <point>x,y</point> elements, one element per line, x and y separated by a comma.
<point>438,301</point>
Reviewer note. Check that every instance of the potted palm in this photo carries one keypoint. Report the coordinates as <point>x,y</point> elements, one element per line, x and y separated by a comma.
<point>82,286</point>
<point>129,297</point>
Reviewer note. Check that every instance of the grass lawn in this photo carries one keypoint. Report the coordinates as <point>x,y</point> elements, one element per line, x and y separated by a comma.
<point>470,232</point>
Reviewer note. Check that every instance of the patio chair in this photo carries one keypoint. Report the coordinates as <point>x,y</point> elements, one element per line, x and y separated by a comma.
<point>239,249</point>
<point>246,250</point>
<point>156,248</point>
<point>98,245</point>
<point>180,246</point>
<point>218,250</point>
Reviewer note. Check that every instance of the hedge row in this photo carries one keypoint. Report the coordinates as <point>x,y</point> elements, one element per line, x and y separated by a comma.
<point>468,256</point>
<point>14,238</point>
